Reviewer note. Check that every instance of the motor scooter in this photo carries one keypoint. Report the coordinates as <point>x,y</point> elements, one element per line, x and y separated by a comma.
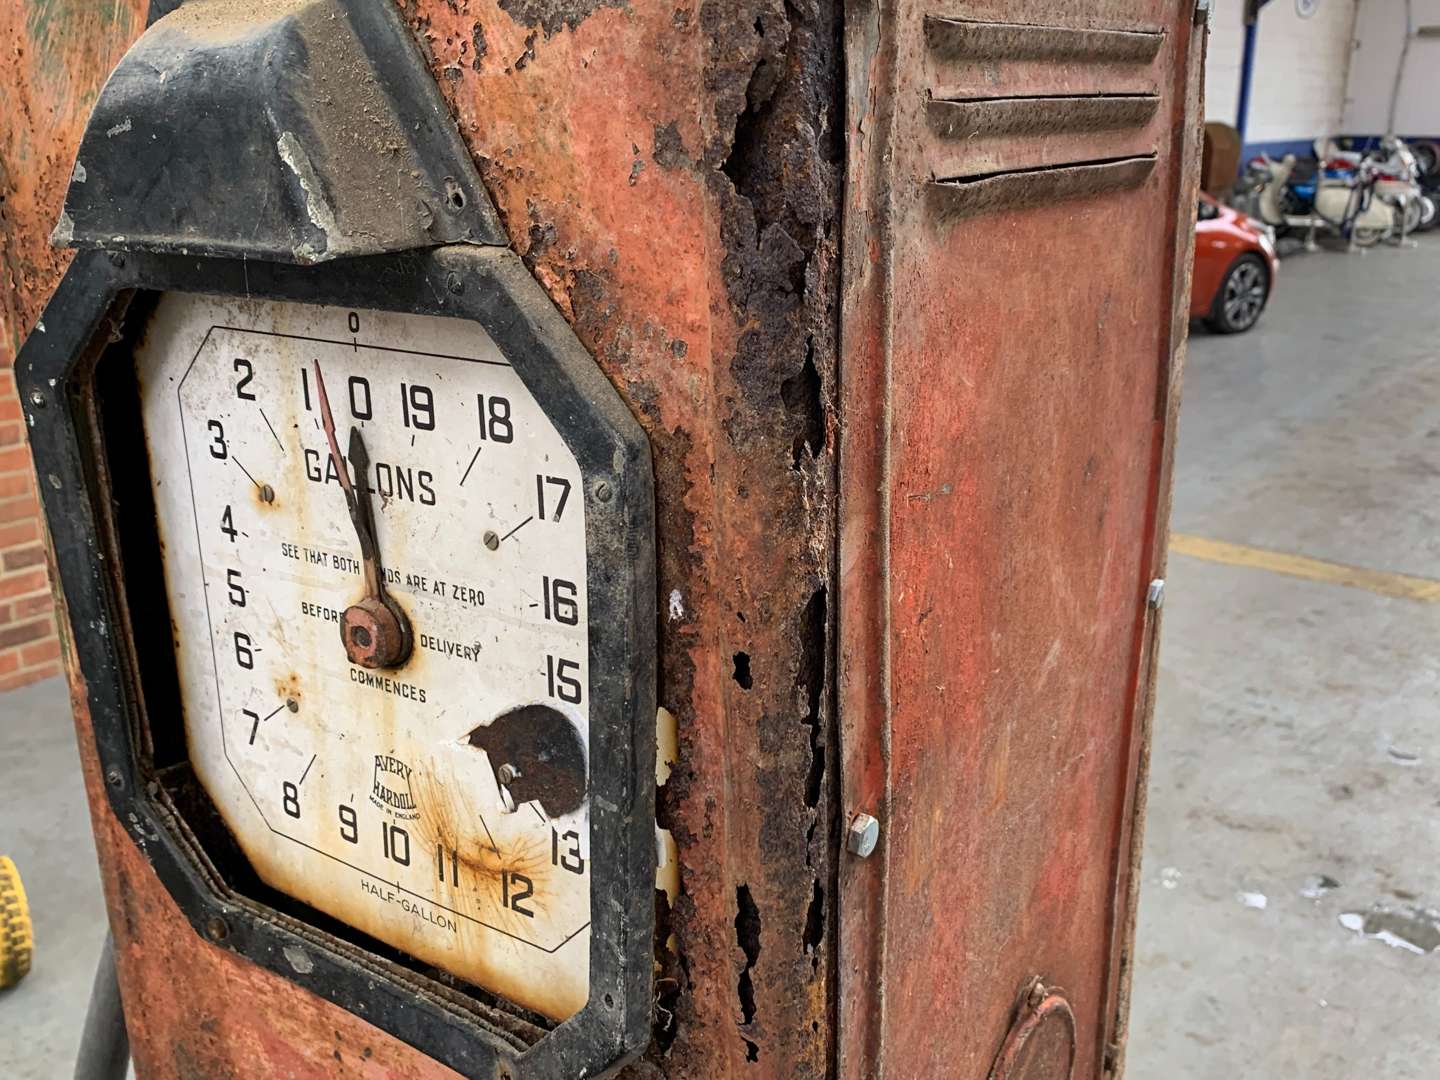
<point>1344,202</point>
<point>1397,178</point>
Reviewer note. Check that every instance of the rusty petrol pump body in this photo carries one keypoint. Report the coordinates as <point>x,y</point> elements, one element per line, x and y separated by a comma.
<point>610,537</point>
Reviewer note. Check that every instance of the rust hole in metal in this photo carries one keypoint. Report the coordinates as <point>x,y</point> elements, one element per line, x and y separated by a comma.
<point>537,754</point>
<point>801,395</point>
<point>742,671</point>
<point>453,194</point>
<point>812,682</point>
<point>814,926</point>
<point>747,143</point>
<point>747,936</point>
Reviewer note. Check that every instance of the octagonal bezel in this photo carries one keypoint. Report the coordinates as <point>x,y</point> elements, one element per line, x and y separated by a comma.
<point>55,374</point>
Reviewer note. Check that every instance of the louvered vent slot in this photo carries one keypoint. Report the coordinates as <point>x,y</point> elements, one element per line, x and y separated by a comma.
<point>1022,115</point>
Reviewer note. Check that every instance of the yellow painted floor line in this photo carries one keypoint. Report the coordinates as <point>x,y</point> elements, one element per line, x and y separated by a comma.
<point>1382,582</point>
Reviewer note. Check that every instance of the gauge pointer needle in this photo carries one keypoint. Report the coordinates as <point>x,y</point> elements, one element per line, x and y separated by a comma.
<point>375,631</point>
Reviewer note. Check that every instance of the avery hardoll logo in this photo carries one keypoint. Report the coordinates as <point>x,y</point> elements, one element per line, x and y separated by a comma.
<point>390,788</point>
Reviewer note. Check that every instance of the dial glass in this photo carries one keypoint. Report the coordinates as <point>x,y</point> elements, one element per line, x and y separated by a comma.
<point>374,553</point>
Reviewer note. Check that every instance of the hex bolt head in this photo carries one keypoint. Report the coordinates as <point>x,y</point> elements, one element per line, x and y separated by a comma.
<point>1155,595</point>
<point>863,835</point>
<point>114,778</point>
<point>602,491</point>
<point>37,398</point>
<point>454,283</point>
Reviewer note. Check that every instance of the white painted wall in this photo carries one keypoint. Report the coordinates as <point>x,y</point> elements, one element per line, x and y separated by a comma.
<point>1298,90</point>
<point>1379,37</point>
<point>1222,60</point>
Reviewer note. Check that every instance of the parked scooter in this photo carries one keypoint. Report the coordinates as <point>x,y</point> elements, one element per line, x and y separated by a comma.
<point>1398,179</point>
<point>1344,201</point>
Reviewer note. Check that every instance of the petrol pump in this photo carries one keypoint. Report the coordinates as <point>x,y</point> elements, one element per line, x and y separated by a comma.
<point>608,538</point>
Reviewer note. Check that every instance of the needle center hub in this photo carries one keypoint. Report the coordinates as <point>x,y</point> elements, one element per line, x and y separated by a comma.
<point>375,634</point>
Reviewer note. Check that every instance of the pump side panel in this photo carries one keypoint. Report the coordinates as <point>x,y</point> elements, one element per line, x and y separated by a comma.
<point>1036,267</point>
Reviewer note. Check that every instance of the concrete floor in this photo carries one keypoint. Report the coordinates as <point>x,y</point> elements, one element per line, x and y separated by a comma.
<point>1295,736</point>
<point>1295,732</point>
<point>45,828</point>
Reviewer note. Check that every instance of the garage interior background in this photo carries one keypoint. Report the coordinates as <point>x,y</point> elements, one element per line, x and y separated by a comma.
<point>1339,71</point>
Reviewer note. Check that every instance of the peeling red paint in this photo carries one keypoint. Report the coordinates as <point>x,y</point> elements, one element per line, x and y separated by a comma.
<point>1002,374</point>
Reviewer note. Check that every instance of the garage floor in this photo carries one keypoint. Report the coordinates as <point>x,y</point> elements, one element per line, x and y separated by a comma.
<point>45,828</point>
<point>1296,745</point>
<point>1297,748</point>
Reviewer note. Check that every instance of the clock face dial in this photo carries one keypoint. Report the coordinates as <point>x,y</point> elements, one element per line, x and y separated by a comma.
<point>375,558</point>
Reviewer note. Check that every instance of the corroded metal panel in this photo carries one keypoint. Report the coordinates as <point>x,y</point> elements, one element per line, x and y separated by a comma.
<point>57,54</point>
<point>959,648</point>
<point>671,176</point>
<point>1025,275</point>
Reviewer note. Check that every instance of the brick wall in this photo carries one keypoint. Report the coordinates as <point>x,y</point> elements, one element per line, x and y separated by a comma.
<point>29,647</point>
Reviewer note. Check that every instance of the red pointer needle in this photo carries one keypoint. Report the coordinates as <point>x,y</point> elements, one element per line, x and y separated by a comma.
<point>375,631</point>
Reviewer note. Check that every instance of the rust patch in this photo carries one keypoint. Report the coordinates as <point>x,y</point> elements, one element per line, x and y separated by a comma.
<point>447,817</point>
<point>552,16</point>
<point>669,147</point>
<point>289,689</point>
<point>543,748</point>
<point>57,53</point>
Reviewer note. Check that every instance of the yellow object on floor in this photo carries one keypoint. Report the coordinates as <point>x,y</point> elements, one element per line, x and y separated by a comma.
<point>16,940</point>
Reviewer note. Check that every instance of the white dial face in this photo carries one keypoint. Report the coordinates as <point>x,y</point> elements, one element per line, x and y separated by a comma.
<point>431,794</point>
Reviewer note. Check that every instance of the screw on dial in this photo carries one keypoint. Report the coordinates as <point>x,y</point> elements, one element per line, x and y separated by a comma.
<point>375,631</point>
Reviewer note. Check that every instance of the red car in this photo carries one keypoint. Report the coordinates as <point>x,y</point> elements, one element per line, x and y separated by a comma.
<point>1235,267</point>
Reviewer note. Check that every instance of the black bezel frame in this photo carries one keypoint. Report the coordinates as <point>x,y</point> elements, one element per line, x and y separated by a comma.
<point>55,373</point>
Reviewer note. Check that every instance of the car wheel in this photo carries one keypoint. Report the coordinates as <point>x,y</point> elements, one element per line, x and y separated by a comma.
<point>1241,296</point>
